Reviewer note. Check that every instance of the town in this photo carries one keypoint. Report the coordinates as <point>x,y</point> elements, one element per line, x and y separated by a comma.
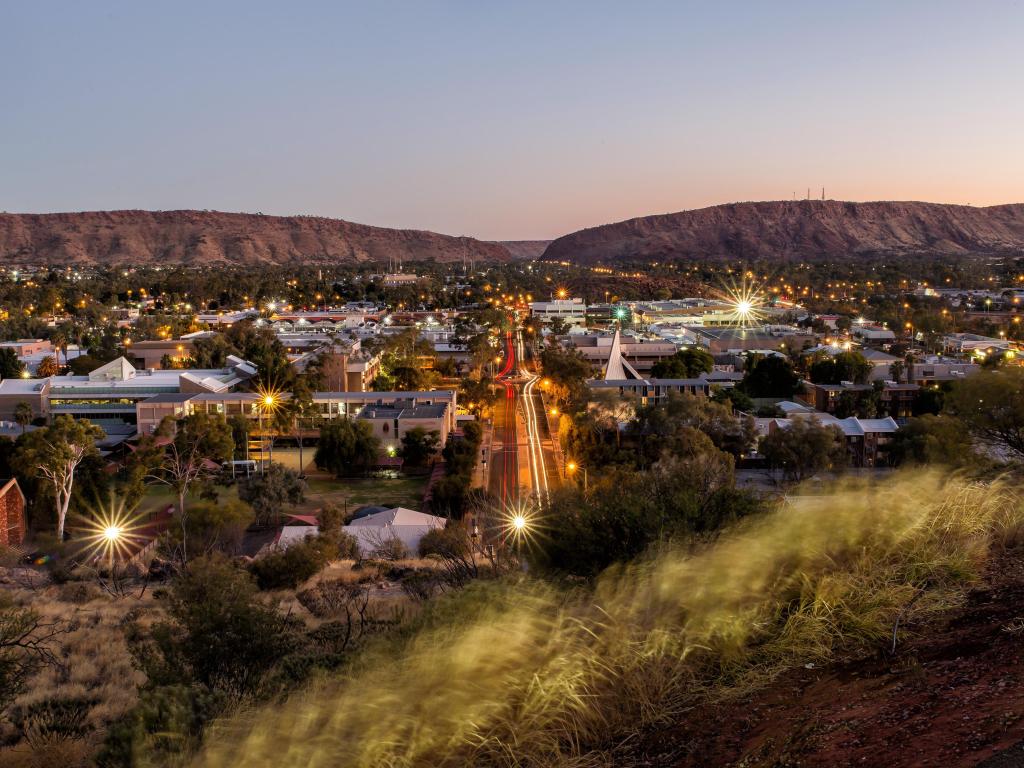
<point>416,430</point>
<point>511,385</point>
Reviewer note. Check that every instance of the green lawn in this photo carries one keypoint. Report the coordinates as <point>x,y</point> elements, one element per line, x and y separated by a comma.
<point>322,489</point>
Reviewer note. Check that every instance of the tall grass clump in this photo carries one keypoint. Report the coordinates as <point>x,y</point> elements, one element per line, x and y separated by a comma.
<point>523,674</point>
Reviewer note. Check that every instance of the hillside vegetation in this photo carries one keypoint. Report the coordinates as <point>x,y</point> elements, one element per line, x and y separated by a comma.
<point>526,673</point>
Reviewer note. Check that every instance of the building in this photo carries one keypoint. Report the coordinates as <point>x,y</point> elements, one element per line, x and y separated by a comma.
<point>397,279</point>
<point>390,423</point>
<point>895,399</point>
<point>25,347</point>
<point>928,374</point>
<point>151,354</point>
<point>375,532</point>
<point>12,514</point>
<point>596,349</point>
<point>866,439</point>
<point>113,391</point>
<point>734,339</point>
<point>620,376</point>
<point>226,319</point>
<point>333,405</point>
<point>570,311</point>
<point>872,334</point>
<point>651,391</point>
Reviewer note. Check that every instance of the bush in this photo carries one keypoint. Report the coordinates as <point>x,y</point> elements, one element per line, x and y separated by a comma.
<point>289,567</point>
<point>57,717</point>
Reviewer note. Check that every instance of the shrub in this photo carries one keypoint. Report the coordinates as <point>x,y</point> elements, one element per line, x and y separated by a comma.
<point>293,565</point>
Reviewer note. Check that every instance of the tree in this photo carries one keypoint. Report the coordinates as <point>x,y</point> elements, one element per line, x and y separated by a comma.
<point>687,363</point>
<point>991,406</point>
<point>26,643</point>
<point>10,365</point>
<point>54,453</point>
<point>201,443</point>
<point>23,414</point>
<point>270,492</point>
<point>804,448</point>
<point>217,526</point>
<point>345,444</point>
<point>219,634</point>
<point>932,440</point>
<point>47,367</point>
<point>419,445</point>
<point>846,366</point>
<point>771,376</point>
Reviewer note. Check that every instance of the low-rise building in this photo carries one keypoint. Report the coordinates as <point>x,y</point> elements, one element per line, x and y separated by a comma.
<point>572,311</point>
<point>866,439</point>
<point>12,514</point>
<point>376,532</point>
<point>390,423</point>
<point>895,399</point>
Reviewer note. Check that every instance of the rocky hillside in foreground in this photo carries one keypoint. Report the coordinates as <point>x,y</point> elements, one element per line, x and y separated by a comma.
<point>210,237</point>
<point>799,230</point>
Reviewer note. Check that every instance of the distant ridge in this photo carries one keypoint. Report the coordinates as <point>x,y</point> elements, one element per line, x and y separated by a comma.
<point>211,237</point>
<point>802,229</point>
<point>525,249</point>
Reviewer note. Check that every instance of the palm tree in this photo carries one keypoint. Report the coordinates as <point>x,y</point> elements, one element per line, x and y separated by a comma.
<point>23,414</point>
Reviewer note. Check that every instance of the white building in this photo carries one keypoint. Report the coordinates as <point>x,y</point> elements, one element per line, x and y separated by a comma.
<point>375,531</point>
<point>572,311</point>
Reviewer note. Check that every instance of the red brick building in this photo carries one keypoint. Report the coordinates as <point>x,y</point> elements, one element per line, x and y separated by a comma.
<point>12,514</point>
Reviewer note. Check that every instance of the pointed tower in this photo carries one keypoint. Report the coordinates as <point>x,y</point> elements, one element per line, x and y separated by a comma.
<point>618,368</point>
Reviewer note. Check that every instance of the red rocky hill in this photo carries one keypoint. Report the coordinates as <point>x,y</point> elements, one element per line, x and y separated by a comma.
<point>210,237</point>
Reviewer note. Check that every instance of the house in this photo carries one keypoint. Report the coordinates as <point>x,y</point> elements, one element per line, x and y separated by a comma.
<point>375,531</point>
<point>12,514</point>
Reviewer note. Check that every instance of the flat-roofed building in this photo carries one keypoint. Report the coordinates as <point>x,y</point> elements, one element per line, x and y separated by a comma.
<point>390,423</point>
<point>151,354</point>
<point>113,390</point>
<point>333,405</point>
<point>572,311</point>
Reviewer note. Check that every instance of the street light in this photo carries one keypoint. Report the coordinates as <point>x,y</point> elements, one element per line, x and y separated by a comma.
<point>571,468</point>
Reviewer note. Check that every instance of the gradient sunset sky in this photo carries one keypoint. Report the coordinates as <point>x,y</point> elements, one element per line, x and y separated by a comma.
<point>508,120</point>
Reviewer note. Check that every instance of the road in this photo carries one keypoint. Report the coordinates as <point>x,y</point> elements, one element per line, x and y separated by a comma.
<point>522,464</point>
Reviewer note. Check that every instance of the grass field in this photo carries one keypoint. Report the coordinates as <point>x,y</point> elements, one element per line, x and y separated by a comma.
<point>405,491</point>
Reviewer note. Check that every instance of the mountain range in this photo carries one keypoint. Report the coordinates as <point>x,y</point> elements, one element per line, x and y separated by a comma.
<point>799,230</point>
<point>789,230</point>
<point>211,237</point>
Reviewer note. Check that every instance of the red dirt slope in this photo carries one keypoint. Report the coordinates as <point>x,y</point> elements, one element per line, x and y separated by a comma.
<point>953,696</point>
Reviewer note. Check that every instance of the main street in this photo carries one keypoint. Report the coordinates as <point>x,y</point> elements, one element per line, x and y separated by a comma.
<point>522,449</point>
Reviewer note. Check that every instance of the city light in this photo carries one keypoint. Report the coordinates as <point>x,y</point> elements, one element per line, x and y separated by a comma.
<point>747,303</point>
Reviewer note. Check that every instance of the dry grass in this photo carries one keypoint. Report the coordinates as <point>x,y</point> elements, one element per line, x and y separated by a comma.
<point>523,675</point>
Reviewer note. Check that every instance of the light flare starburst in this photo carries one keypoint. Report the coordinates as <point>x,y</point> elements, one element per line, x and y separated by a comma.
<point>747,303</point>
<point>112,534</point>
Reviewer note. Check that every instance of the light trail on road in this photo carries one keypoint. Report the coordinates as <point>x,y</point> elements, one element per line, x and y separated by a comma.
<point>538,472</point>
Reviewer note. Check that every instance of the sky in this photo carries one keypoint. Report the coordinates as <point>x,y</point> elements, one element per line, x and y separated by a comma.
<point>514,120</point>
